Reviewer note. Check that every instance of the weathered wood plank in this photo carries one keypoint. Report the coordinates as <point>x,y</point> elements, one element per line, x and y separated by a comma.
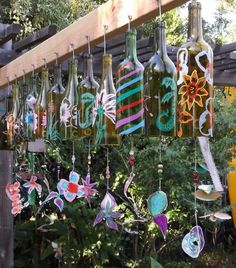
<point>113,13</point>
<point>9,32</point>
<point>222,78</point>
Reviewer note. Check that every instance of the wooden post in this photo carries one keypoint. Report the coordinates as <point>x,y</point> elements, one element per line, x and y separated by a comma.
<point>6,218</point>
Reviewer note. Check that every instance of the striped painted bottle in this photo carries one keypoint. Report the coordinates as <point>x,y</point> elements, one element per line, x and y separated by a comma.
<point>129,93</point>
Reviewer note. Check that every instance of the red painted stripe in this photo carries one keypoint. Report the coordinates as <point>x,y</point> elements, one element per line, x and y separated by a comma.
<point>129,106</point>
<point>122,68</point>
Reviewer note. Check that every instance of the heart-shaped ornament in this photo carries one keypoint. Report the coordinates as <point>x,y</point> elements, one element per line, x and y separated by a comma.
<point>157,203</point>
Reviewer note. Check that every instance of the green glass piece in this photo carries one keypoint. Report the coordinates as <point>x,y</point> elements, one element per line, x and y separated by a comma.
<point>195,80</point>
<point>40,112</point>
<point>69,105</point>
<point>129,93</point>
<point>104,115</point>
<point>157,203</point>
<point>87,93</point>
<point>32,198</point>
<point>54,98</point>
<point>160,78</point>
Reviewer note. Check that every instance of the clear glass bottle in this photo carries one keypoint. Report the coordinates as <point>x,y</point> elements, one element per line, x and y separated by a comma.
<point>54,98</point>
<point>40,113</point>
<point>160,78</point>
<point>195,80</point>
<point>130,90</point>
<point>105,107</point>
<point>87,94</point>
<point>69,106</point>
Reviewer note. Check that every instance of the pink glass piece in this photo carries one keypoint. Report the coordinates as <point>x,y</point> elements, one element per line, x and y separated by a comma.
<point>32,184</point>
<point>13,193</point>
<point>161,221</point>
<point>87,189</point>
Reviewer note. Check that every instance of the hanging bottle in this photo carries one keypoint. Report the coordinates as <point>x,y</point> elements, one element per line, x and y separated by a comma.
<point>30,108</point>
<point>13,115</point>
<point>87,93</point>
<point>130,93</point>
<point>54,98</point>
<point>40,113</point>
<point>160,78</point>
<point>195,80</point>
<point>69,105</point>
<point>105,106</point>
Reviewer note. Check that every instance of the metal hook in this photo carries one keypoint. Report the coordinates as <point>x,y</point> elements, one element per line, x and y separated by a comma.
<point>88,40</point>
<point>105,29</point>
<point>57,55</point>
<point>73,50</point>
<point>130,19</point>
<point>16,78</point>
<point>45,63</point>
<point>33,69</point>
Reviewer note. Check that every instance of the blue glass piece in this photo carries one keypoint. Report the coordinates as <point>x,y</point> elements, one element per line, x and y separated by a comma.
<point>157,203</point>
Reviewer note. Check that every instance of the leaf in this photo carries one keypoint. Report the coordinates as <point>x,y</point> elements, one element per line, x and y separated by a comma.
<point>32,198</point>
<point>155,264</point>
<point>47,252</point>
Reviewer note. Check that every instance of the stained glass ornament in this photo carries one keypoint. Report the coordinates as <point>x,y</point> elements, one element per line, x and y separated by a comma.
<point>193,242</point>
<point>160,78</point>
<point>88,189</point>
<point>162,222</point>
<point>54,98</point>
<point>210,196</point>
<point>157,203</point>
<point>69,105</point>
<point>195,81</point>
<point>13,193</point>
<point>40,111</point>
<point>56,198</point>
<point>129,92</point>
<point>206,187</point>
<point>33,185</point>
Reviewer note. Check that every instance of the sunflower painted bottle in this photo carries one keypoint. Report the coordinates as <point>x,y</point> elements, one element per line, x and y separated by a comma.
<point>160,78</point>
<point>195,81</point>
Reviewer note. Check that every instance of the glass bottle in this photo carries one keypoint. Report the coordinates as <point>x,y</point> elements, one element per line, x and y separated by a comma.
<point>87,94</point>
<point>129,93</point>
<point>69,105</point>
<point>30,102</point>
<point>160,78</point>
<point>54,98</point>
<point>40,113</point>
<point>195,80</point>
<point>105,106</point>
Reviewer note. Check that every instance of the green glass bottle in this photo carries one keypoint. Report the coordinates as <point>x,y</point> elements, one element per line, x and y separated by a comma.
<point>30,102</point>
<point>69,106</point>
<point>54,98</point>
<point>40,112</point>
<point>87,94</point>
<point>195,80</point>
<point>160,78</point>
<point>105,106</point>
<point>130,93</point>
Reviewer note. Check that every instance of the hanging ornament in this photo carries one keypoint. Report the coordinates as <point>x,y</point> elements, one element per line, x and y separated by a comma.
<point>69,104</point>
<point>13,193</point>
<point>108,205</point>
<point>218,215</point>
<point>87,92</point>
<point>160,77</point>
<point>54,97</point>
<point>129,93</point>
<point>104,111</point>
<point>40,111</point>
<point>195,80</point>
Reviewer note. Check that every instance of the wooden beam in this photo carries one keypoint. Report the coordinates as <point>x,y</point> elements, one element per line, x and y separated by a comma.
<point>223,78</point>
<point>8,32</point>
<point>113,13</point>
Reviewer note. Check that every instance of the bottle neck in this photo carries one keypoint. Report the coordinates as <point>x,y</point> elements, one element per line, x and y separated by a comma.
<point>89,67</point>
<point>57,75</point>
<point>15,93</point>
<point>131,47</point>
<point>73,69</point>
<point>33,86</point>
<point>45,81</point>
<point>106,66</point>
<point>160,39</point>
<point>195,22</point>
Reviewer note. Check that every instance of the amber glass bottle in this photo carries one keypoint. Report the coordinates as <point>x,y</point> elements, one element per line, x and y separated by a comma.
<point>129,93</point>
<point>160,77</point>
<point>69,106</point>
<point>87,94</point>
<point>105,106</point>
<point>40,112</point>
<point>195,80</point>
<point>54,98</point>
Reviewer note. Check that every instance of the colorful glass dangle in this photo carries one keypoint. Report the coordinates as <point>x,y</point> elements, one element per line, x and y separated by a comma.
<point>160,78</point>
<point>129,93</point>
<point>195,80</point>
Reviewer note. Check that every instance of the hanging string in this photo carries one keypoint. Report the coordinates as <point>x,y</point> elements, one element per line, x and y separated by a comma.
<point>73,155</point>
<point>129,23</point>
<point>88,40</point>
<point>160,152</point>
<point>89,158</point>
<point>45,63</point>
<point>108,175</point>
<point>105,29</point>
<point>159,8</point>
<point>33,70</point>
<point>8,94</point>
<point>57,55</point>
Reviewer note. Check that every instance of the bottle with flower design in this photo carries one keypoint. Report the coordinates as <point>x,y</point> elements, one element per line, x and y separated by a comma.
<point>195,80</point>
<point>160,78</point>
<point>40,111</point>
<point>54,98</point>
<point>69,105</point>
<point>104,113</point>
<point>88,88</point>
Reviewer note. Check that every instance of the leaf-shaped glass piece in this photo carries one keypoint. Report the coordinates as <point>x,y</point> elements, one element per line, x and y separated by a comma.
<point>108,202</point>
<point>157,203</point>
<point>161,221</point>
<point>87,188</point>
<point>59,203</point>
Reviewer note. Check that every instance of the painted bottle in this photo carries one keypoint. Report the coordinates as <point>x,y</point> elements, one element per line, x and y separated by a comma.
<point>40,112</point>
<point>104,115</point>
<point>160,78</point>
<point>130,93</point>
<point>87,93</point>
<point>54,98</point>
<point>195,80</point>
<point>69,105</point>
